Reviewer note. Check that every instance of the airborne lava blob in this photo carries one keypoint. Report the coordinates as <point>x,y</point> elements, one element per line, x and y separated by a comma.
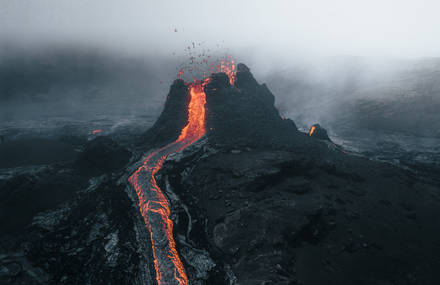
<point>153,203</point>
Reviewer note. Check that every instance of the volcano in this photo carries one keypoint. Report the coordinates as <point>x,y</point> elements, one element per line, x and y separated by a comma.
<point>262,200</point>
<point>229,98</point>
<point>220,190</point>
<point>244,107</point>
<point>256,201</point>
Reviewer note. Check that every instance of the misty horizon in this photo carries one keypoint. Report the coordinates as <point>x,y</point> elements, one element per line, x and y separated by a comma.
<point>107,57</point>
<point>275,29</point>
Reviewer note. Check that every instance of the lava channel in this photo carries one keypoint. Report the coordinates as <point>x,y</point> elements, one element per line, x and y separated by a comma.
<point>153,204</point>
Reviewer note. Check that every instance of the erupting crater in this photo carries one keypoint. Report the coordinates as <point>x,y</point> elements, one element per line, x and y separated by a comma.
<point>153,203</point>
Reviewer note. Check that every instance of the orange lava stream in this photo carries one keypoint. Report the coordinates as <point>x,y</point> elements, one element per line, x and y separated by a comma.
<point>154,205</point>
<point>312,129</point>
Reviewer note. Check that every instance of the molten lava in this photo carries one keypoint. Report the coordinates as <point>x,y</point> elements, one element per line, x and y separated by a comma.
<point>195,128</point>
<point>153,204</point>
<point>312,129</point>
<point>228,67</point>
<point>95,132</point>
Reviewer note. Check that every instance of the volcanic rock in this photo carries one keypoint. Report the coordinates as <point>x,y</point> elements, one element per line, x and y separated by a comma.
<point>283,217</point>
<point>102,155</point>
<point>319,132</point>
<point>244,114</point>
<point>85,241</point>
<point>172,119</point>
<point>24,195</point>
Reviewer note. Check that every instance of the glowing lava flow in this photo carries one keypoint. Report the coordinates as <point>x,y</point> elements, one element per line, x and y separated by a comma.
<point>312,129</point>
<point>153,203</point>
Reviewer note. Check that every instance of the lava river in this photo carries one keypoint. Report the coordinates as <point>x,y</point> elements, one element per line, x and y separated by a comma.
<point>153,203</point>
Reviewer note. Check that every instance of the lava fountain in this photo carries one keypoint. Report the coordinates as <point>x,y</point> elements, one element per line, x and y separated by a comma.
<point>153,203</point>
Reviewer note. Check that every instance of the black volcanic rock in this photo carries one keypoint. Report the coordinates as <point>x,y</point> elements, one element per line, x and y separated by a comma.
<point>62,226</point>
<point>276,216</point>
<point>172,119</point>
<point>244,114</point>
<point>94,237</point>
<point>23,196</point>
<point>102,155</point>
<point>90,240</point>
<point>319,132</point>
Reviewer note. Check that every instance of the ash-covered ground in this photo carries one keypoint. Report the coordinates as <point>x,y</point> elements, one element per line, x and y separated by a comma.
<point>255,201</point>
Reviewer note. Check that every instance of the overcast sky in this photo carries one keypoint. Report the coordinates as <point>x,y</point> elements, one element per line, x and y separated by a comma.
<point>399,28</point>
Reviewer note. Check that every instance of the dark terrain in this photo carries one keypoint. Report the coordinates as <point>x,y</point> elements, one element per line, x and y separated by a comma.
<point>293,209</point>
<point>255,201</point>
